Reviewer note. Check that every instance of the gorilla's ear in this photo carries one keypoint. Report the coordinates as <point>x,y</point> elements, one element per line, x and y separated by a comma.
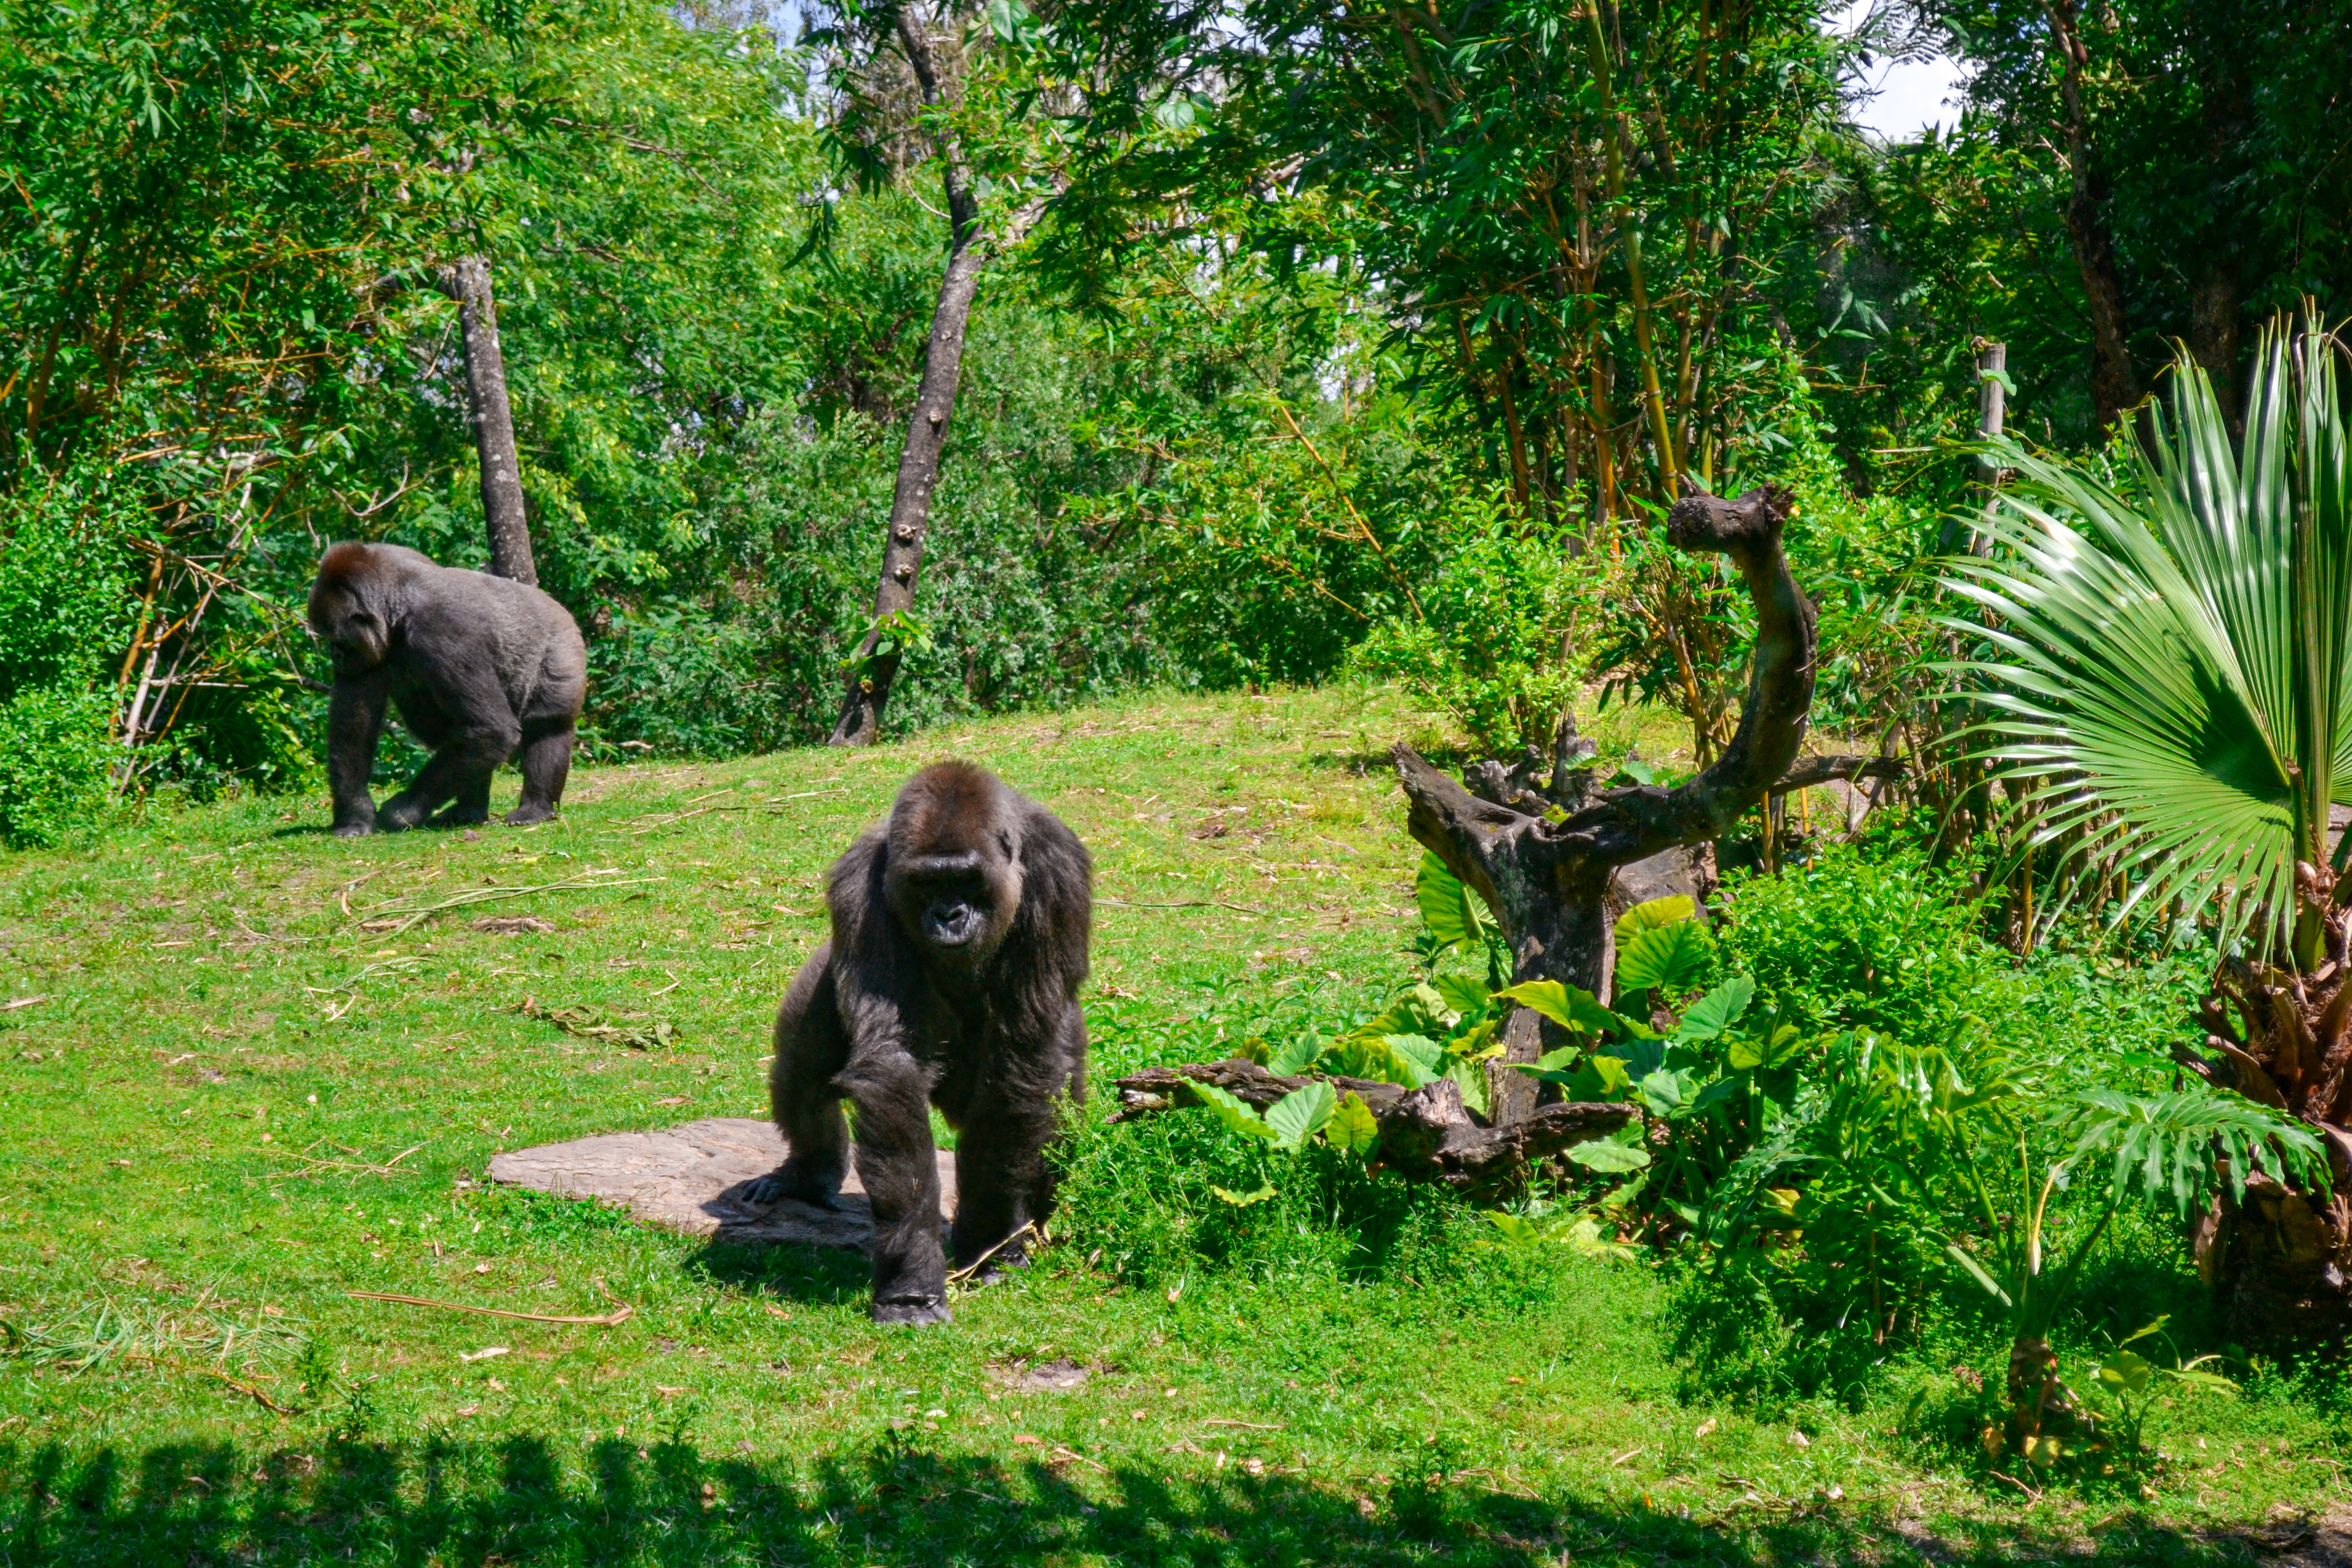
<point>1049,932</point>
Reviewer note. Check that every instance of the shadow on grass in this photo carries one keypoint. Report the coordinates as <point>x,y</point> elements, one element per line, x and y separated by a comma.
<point>814,1276</point>
<point>513,1503</point>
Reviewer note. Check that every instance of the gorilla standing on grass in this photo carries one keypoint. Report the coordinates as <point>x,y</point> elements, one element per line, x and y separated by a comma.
<point>959,932</point>
<point>478,666</point>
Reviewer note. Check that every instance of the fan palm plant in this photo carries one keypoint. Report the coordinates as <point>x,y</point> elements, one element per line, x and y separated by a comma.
<point>2166,674</point>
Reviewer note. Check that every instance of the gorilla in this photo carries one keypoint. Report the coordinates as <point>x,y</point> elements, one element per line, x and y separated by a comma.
<point>959,933</point>
<point>478,665</point>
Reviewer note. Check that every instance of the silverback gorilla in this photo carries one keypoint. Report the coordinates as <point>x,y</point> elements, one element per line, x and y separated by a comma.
<point>478,665</point>
<point>959,932</point>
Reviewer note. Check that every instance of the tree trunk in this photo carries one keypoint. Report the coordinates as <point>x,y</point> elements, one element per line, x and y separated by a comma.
<point>2114,385</point>
<point>873,667</point>
<point>467,281</point>
<point>1546,875</point>
<point>2282,1259</point>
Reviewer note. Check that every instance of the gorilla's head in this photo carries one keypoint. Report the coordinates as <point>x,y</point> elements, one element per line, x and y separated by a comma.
<point>953,866</point>
<point>348,612</point>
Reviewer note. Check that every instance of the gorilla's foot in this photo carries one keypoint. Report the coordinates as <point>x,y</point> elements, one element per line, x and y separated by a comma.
<point>912,1310</point>
<point>353,829</point>
<point>460,816</point>
<point>397,815</point>
<point>810,1183</point>
<point>529,811</point>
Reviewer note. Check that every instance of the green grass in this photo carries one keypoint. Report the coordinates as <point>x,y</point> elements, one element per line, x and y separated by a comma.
<point>234,1103</point>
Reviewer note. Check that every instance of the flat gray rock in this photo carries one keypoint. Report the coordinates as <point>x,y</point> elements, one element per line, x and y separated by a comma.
<point>690,1180</point>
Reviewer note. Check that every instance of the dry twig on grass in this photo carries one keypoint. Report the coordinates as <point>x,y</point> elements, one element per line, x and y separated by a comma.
<point>359,1163</point>
<point>396,915</point>
<point>1028,1227</point>
<point>609,1319</point>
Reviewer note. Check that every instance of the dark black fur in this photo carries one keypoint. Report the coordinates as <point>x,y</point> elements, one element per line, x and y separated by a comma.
<point>478,667</point>
<point>959,933</point>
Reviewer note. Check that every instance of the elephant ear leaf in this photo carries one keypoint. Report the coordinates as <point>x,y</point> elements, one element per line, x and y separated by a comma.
<point>1448,908</point>
<point>1665,957</point>
<point>1300,1114</point>
<point>1577,1011</point>
<point>1295,1056</point>
<point>1655,915</point>
<point>1608,1156</point>
<point>1717,1011</point>
<point>1352,1125</point>
<point>1232,1110</point>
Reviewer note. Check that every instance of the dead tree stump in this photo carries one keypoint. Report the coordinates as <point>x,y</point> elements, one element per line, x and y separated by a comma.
<point>1541,854</point>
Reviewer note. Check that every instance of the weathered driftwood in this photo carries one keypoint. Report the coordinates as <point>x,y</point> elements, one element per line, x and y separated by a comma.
<point>1426,1134</point>
<point>1543,856</point>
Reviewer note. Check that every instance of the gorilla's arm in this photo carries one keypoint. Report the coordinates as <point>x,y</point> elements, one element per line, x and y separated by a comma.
<point>355,710</point>
<point>1037,1054</point>
<point>882,998</point>
<point>456,672</point>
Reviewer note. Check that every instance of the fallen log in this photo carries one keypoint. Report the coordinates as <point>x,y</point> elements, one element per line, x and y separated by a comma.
<point>1427,1134</point>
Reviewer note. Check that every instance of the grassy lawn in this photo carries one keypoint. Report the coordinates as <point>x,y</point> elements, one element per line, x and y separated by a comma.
<point>242,1090</point>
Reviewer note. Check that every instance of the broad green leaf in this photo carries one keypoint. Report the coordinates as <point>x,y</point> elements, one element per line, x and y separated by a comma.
<point>1609,1158</point>
<point>1242,1200</point>
<point>2127,1372</point>
<point>1655,914</point>
<point>1352,1126</point>
<point>1717,1011</point>
<point>1300,1114</point>
<point>1663,957</point>
<point>1462,994</point>
<point>1470,1078</point>
<point>1577,1011</point>
<point>1419,1055</point>
<point>1448,908</point>
<point>1515,1230</point>
<point>1295,1056</point>
<point>1600,1078</point>
<point>1749,1054</point>
<point>1664,1092</point>
<point>1233,1111</point>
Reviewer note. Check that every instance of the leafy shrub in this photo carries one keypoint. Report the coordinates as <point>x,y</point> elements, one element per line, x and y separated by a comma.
<point>54,762</point>
<point>61,598</point>
<point>1495,638</point>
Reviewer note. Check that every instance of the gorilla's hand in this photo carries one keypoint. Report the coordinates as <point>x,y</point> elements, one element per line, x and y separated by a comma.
<point>399,814</point>
<point>806,1180</point>
<point>912,1310</point>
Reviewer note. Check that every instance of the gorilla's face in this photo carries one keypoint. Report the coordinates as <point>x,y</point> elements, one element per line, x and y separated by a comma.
<point>355,633</point>
<point>958,904</point>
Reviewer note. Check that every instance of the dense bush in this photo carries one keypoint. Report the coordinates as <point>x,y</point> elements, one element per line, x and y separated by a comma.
<point>63,602</point>
<point>1495,638</point>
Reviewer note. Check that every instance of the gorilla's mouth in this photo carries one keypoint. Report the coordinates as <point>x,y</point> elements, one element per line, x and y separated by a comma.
<point>952,923</point>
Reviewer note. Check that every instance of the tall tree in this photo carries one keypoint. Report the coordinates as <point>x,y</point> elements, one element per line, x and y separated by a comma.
<point>488,411</point>
<point>2205,166</point>
<point>1566,211</point>
<point>875,666</point>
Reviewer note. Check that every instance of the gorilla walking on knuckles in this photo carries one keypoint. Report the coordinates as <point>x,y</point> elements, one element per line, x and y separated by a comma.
<point>478,666</point>
<point>959,933</point>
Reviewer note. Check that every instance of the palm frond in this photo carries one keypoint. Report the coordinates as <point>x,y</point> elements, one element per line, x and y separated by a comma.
<point>2165,680</point>
<point>2179,1145</point>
